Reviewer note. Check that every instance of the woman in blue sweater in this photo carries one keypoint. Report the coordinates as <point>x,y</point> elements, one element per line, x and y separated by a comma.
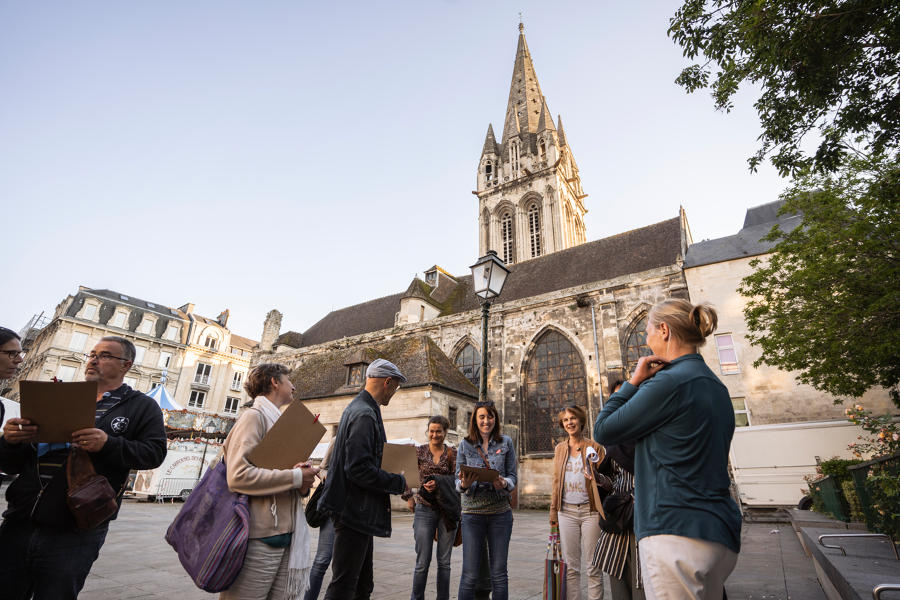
<point>687,525</point>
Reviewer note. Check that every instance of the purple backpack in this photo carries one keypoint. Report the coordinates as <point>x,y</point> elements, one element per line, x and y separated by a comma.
<point>211,532</point>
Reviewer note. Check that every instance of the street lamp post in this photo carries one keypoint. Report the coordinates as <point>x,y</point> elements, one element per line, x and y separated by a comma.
<point>488,276</point>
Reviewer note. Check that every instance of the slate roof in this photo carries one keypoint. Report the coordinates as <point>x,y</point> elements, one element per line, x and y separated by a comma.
<point>120,298</point>
<point>745,243</point>
<point>240,341</point>
<point>634,251</point>
<point>418,358</point>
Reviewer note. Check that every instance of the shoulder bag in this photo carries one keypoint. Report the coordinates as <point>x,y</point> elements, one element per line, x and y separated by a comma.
<point>211,532</point>
<point>91,499</point>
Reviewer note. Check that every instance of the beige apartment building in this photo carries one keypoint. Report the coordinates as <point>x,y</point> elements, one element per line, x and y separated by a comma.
<point>203,363</point>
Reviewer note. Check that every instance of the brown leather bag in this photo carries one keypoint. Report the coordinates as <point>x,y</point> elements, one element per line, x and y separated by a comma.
<point>90,497</point>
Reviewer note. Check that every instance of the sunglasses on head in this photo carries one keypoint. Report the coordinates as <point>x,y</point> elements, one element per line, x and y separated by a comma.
<point>489,403</point>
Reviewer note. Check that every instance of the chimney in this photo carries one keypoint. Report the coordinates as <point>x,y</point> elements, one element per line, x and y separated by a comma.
<point>222,319</point>
<point>271,329</point>
<point>187,308</point>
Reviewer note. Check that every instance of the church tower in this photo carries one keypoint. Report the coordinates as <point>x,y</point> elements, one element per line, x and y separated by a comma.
<point>530,201</point>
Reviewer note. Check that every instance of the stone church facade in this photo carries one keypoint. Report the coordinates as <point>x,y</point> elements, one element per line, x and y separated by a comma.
<point>570,319</point>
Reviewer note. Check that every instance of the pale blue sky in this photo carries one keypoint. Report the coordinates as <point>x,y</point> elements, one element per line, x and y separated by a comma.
<point>308,156</point>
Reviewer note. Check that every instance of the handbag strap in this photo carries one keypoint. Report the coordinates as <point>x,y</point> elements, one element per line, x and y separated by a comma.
<point>79,467</point>
<point>487,465</point>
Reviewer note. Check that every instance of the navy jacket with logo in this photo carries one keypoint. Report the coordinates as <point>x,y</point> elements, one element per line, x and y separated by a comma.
<point>137,440</point>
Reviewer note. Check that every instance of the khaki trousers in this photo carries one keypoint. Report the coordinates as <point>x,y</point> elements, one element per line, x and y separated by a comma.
<point>263,576</point>
<point>579,530</point>
<point>677,568</point>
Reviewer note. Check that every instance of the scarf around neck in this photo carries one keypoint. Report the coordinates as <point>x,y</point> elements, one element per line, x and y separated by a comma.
<point>300,560</point>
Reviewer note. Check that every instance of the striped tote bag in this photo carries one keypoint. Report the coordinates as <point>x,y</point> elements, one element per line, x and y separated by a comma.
<point>211,532</point>
<point>554,571</point>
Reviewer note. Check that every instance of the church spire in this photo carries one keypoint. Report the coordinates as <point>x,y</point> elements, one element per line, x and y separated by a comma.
<point>525,96</point>
<point>545,121</point>
<point>490,142</point>
<point>562,134</point>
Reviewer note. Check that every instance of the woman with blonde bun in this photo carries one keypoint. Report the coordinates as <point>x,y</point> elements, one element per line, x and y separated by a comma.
<point>687,525</point>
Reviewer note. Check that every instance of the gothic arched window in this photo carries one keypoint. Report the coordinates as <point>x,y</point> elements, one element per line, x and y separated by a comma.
<point>514,158</point>
<point>469,362</point>
<point>636,343</point>
<point>508,237</point>
<point>488,171</point>
<point>542,150</point>
<point>534,229</point>
<point>554,379</point>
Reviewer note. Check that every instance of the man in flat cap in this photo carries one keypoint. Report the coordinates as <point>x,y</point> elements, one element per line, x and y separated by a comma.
<point>357,490</point>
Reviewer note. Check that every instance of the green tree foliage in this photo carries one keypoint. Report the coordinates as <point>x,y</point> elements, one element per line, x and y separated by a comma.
<point>826,301</point>
<point>828,67</point>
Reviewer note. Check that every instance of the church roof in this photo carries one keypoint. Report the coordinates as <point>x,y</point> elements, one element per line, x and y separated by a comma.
<point>634,251</point>
<point>525,98</point>
<point>418,358</point>
<point>490,142</point>
<point>746,242</point>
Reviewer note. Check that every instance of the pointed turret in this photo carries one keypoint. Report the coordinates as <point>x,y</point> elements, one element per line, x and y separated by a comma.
<point>559,129</point>
<point>490,143</point>
<point>546,120</point>
<point>525,97</point>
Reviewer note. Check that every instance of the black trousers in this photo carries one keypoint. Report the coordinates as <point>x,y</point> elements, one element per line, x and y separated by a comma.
<point>351,565</point>
<point>44,563</point>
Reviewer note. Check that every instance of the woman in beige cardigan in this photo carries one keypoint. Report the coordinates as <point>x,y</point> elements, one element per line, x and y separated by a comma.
<point>278,555</point>
<point>574,503</point>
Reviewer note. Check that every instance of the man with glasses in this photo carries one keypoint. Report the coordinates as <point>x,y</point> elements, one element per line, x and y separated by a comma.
<point>357,490</point>
<point>42,554</point>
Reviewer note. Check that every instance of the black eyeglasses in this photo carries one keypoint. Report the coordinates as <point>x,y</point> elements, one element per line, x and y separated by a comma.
<point>102,356</point>
<point>12,354</point>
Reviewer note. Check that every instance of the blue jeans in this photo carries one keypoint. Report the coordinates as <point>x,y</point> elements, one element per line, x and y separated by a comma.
<point>425,523</point>
<point>497,530</point>
<point>322,560</point>
<point>45,563</point>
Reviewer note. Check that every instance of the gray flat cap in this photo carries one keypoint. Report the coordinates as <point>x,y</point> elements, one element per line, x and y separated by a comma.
<point>384,368</point>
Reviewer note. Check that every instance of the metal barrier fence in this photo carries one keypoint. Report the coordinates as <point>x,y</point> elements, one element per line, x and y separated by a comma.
<point>175,487</point>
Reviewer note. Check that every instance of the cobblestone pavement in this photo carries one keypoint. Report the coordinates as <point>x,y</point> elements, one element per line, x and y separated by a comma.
<point>136,562</point>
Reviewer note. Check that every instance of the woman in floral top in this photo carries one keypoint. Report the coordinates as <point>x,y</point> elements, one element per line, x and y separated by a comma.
<point>435,459</point>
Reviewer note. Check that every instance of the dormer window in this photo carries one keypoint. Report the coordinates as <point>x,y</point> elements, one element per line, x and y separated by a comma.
<point>356,374</point>
<point>210,342</point>
<point>431,278</point>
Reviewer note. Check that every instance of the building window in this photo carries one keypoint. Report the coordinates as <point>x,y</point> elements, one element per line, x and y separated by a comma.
<point>139,354</point>
<point>554,379</point>
<point>172,333</point>
<point>741,413</point>
<point>451,416</point>
<point>197,399</point>
<point>542,151</point>
<point>79,339</point>
<point>508,237</point>
<point>65,373</point>
<point>636,344</point>
<point>514,158</point>
<point>231,405</point>
<point>534,229</point>
<point>356,375</point>
<point>236,380</point>
<point>89,312</point>
<point>146,327</point>
<point>728,362</point>
<point>210,342</point>
<point>119,320</point>
<point>164,359</point>
<point>469,362</point>
<point>202,374</point>
<point>488,171</point>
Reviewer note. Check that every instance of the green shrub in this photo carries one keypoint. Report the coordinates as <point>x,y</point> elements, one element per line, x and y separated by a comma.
<point>856,513</point>
<point>883,486</point>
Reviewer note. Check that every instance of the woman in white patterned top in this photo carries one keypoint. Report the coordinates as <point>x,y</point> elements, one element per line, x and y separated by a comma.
<point>574,504</point>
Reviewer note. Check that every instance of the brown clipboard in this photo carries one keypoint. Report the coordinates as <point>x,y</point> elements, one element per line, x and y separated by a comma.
<point>481,474</point>
<point>58,408</point>
<point>398,458</point>
<point>290,440</point>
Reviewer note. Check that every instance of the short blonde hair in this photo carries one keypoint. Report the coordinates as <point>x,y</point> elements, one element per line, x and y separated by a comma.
<point>575,410</point>
<point>689,323</point>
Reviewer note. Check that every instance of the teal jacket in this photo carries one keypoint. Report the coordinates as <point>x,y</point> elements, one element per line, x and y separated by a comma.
<point>683,421</point>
